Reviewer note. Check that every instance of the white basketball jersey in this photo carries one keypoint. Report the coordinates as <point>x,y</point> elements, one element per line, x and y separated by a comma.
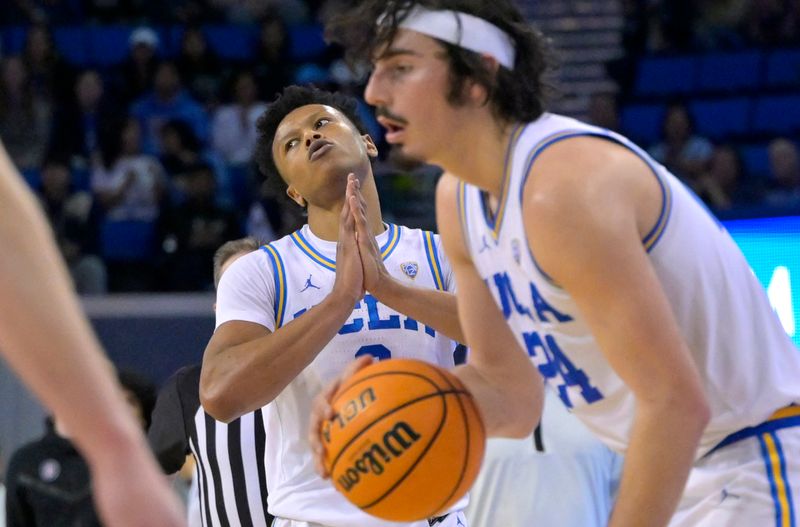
<point>282,281</point>
<point>748,365</point>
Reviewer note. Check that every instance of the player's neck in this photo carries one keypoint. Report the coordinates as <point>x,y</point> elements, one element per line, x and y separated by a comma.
<point>324,222</point>
<point>478,155</point>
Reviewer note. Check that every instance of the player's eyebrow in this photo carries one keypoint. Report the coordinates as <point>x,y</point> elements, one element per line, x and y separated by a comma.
<point>390,52</point>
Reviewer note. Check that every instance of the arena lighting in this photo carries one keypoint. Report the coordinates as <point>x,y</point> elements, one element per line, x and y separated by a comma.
<point>772,247</point>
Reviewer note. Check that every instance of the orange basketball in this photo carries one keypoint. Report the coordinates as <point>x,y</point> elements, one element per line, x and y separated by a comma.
<point>407,441</point>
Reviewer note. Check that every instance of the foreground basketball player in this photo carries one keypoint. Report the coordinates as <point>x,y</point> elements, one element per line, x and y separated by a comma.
<point>47,340</point>
<point>570,245</point>
<point>286,324</point>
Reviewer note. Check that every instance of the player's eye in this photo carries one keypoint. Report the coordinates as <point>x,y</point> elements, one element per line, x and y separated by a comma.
<point>321,122</point>
<point>290,144</point>
<point>401,68</point>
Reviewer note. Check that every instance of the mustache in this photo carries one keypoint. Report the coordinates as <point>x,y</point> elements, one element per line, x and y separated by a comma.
<point>382,111</point>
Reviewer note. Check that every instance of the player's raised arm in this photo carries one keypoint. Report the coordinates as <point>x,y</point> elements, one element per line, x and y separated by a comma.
<point>501,377</point>
<point>434,308</point>
<point>246,365</point>
<point>590,201</point>
<point>48,341</point>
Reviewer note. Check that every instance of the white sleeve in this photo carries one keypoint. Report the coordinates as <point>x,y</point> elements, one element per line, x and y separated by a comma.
<point>444,263</point>
<point>247,291</point>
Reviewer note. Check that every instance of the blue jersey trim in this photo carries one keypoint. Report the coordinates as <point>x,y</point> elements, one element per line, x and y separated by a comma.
<point>433,260</point>
<point>494,222</point>
<point>784,418</point>
<point>309,250</point>
<point>279,275</point>
<point>392,241</point>
<point>787,488</point>
<point>650,240</point>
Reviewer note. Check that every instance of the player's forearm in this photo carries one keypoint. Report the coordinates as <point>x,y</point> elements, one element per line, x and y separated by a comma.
<point>510,403</point>
<point>662,449</point>
<point>437,309</point>
<point>243,378</point>
<point>43,333</point>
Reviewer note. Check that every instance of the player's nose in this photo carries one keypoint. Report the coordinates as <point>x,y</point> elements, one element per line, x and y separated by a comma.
<point>311,136</point>
<point>375,93</point>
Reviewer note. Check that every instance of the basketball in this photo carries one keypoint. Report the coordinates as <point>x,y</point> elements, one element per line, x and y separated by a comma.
<point>407,441</point>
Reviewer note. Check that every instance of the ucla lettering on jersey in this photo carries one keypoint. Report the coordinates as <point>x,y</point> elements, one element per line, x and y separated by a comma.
<point>740,342</point>
<point>286,279</point>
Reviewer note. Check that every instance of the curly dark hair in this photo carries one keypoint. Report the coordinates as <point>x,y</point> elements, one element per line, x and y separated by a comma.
<point>517,95</point>
<point>291,98</point>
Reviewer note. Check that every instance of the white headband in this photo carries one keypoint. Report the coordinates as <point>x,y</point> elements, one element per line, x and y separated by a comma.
<point>461,29</point>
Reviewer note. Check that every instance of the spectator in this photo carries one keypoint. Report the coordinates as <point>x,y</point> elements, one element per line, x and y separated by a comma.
<point>249,11</point>
<point>199,67</point>
<point>51,77</point>
<point>721,187</point>
<point>48,481</point>
<point>268,217</point>
<point>234,126</point>
<point>719,25</point>
<point>113,11</point>
<point>168,100</point>
<point>128,183</point>
<point>77,126</point>
<point>784,161</point>
<point>181,149</point>
<point>24,116</point>
<point>687,155</point>
<point>773,23</point>
<point>195,229</point>
<point>139,69</point>
<point>603,111</point>
<point>71,216</point>
<point>272,61</point>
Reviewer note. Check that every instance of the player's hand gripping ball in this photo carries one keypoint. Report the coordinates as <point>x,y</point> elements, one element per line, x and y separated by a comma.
<point>407,440</point>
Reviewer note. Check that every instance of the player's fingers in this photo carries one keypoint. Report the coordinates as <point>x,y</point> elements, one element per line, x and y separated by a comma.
<point>359,364</point>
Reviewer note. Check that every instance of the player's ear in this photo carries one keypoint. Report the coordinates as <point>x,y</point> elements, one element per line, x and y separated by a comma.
<point>477,92</point>
<point>295,196</point>
<point>372,150</point>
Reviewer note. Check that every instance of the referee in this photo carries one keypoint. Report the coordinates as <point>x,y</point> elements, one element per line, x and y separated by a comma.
<point>229,458</point>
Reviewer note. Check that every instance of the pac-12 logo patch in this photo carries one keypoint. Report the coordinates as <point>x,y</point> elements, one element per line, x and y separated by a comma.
<point>410,269</point>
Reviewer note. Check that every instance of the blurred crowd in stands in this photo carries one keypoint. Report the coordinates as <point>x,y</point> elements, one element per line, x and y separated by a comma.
<point>135,121</point>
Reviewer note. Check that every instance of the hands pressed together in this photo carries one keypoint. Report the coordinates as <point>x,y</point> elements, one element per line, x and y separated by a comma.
<point>359,268</point>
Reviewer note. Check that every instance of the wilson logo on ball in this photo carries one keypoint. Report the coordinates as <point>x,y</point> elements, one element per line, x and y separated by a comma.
<point>395,442</point>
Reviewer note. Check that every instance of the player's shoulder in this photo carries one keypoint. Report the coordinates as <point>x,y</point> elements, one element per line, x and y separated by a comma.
<point>253,267</point>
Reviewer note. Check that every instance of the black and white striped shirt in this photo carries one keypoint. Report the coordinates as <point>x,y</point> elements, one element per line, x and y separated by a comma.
<point>229,457</point>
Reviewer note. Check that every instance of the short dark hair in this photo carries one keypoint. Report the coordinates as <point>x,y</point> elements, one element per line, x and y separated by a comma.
<point>291,98</point>
<point>230,249</point>
<point>143,389</point>
<point>514,95</point>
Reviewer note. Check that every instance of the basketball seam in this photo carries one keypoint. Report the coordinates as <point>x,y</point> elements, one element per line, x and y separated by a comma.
<point>466,450</point>
<point>416,461</point>
<point>378,418</point>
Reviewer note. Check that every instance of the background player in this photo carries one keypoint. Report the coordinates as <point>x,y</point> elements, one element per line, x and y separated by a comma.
<point>286,322</point>
<point>47,340</point>
<point>632,301</point>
